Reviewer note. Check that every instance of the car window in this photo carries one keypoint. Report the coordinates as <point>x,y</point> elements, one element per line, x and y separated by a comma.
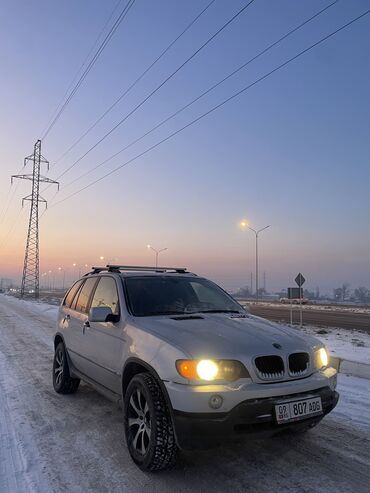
<point>71,294</point>
<point>176,295</point>
<point>207,294</point>
<point>106,294</point>
<point>84,296</point>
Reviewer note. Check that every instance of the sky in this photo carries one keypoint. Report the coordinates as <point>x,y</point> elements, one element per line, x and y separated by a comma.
<point>291,152</point>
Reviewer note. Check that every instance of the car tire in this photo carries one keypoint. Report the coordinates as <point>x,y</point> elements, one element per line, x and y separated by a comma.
<point>63,383</point>
<point>148,425</point>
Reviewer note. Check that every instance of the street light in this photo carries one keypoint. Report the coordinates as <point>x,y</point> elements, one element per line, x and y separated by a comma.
<point>157,252</point>
<point>244,224</point>
<point>60,269</point>
<point>79,268</point>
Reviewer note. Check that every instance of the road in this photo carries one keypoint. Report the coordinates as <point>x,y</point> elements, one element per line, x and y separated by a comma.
<point>336,318</point>
<point>53,443</point>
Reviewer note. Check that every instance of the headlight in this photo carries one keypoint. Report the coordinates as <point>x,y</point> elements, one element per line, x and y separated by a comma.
<point>321,358</point>
<point>207,369</point>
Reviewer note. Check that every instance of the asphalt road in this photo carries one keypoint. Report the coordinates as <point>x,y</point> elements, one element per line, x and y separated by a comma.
<point>55,443</point>
<point>337,318</point>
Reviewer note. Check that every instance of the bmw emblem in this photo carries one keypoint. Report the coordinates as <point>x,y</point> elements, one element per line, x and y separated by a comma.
<point>277,345</point>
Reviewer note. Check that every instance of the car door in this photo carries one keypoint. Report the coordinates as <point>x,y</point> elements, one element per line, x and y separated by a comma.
<point>104,341</point>
<point>78,314</point>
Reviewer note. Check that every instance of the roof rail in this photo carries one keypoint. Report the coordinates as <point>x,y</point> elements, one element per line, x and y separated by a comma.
<point>96,270</point>
<point>140,268</point>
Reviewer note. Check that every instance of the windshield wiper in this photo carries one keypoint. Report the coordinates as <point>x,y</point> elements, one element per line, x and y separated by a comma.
<point>219,311</point>
<point>151,314</point>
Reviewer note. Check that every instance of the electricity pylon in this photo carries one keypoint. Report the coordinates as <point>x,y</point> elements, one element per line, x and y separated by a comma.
<point>30,279</point>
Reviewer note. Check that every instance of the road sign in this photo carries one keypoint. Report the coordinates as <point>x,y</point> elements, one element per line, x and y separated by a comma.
<point>295,293</point>
<point>300,280</point>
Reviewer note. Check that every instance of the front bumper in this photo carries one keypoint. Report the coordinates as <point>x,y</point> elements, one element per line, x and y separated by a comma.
<point>255,417</point>
<point>195,398</point>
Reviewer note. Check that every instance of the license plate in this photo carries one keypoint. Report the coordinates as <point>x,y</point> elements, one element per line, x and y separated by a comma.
<point>288,411</point>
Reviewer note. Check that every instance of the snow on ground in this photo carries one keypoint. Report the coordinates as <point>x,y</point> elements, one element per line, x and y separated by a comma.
<point>349,344</point>
<point>313,306</point>
<point>354,401</point>
<point>51,443</point>
<point>36,307</point>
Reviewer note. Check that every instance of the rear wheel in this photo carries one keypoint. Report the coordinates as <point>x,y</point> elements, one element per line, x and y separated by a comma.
<point>148,426</point>
<point>63,383</point>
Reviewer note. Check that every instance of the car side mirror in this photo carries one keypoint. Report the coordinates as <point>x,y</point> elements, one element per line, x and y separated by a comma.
<point>102,314</point>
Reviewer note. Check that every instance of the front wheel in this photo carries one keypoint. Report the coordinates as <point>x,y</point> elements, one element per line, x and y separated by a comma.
<point>63,383</point>
<point>148,426</point>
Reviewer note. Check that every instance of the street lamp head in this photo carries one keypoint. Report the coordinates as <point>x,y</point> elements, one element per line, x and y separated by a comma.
<point>243,224</point>
<point>74,264</point>
<point>148,246</point>
<point>101,257</point>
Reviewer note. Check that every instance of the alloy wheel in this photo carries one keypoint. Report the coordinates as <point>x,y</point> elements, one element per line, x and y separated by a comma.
<point>139,423</point>
<point>59,366</point>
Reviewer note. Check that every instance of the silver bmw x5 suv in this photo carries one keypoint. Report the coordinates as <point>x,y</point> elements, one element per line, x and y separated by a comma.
<point>189,365</point>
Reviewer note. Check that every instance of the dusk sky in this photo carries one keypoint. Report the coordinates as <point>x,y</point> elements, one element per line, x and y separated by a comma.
<point>292,152</point>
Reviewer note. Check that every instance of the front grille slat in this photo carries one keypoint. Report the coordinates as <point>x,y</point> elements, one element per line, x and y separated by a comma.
<point>299,364</point>
<point>269,367</point>
<point>272,368</point>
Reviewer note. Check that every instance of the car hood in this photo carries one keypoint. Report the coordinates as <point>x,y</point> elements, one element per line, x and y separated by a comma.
<point>226,336</point>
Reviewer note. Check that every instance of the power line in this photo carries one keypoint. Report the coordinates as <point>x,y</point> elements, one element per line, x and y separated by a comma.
<point>123,94</point>
<point>11,229</point>
<point>10,196</point>
<point>214,108</point>
<point>82,66</point>
<point>158,87</point>
<point>104,43</point>
<point>234,72</point>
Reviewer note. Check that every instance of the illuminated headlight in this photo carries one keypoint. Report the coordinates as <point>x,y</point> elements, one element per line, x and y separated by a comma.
<point>208,370</point>
<point>321,358</point>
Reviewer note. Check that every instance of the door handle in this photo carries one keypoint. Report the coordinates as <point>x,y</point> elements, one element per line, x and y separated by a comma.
<point>85,326</point>
<point>66,317</point>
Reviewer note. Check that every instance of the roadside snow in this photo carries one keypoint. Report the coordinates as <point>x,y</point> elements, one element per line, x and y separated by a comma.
<point>354,401</point>
<point>313,307</point>
<point>36,307</point>
<point>349,344</point>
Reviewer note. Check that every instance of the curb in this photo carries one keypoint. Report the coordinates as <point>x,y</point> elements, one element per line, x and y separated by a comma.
<point>353,368</point>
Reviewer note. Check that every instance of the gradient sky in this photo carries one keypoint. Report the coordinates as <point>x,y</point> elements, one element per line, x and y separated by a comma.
<point>292,152</point>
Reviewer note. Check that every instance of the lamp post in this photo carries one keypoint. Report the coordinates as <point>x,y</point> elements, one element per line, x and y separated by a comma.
<point>157,252</point>
<point>79,268</point>
<point>244,224</point>
<point>60,269</point>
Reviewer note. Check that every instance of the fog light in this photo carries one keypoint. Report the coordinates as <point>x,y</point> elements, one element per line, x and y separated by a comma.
<point>215,401</point>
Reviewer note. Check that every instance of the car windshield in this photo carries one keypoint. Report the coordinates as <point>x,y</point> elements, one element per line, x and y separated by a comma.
<point>165,295</point>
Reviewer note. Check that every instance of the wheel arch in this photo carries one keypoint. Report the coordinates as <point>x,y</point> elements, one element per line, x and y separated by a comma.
<point>134,366</point>
<point>57,339</point>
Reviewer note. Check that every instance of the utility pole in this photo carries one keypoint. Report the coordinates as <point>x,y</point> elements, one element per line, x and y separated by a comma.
<point>30,278</point>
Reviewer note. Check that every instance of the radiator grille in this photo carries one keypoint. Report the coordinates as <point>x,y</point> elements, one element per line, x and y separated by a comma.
<point>269,367</point>
<point>299,363</point>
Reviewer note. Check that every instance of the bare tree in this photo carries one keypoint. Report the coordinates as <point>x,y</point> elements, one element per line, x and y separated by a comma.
<point>345,291</point>
<point>342,293</point>
<point>362,294</point>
